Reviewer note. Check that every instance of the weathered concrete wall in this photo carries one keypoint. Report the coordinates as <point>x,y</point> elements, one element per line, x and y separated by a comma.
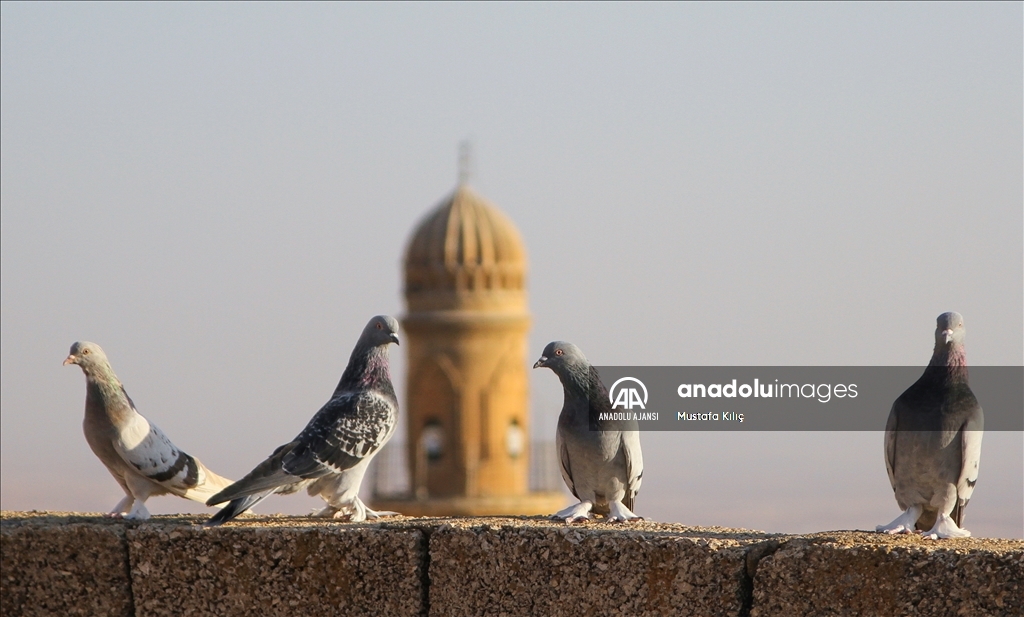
<point>534,567</point>
<point>63,567</point>
<point>62,564</point>
<point>311,569</point>
<point>871,574</point>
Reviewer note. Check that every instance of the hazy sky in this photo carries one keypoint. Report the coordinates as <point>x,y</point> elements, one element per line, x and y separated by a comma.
<point>220,195</point>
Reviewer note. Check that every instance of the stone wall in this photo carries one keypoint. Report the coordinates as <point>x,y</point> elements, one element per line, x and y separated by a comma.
<point>71,564</point>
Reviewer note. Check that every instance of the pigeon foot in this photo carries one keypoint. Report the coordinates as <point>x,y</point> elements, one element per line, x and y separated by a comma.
<point>328,512</point>
<point>619,513</point>
<point>342,513</point>
<point>380,513</point>
<point>904,523</point>
<point>355,512</point>
<point>945,527</point>
<point>139,512</point>
<point>576,512</point>
<point>339,514</point>
<point>122,507</point>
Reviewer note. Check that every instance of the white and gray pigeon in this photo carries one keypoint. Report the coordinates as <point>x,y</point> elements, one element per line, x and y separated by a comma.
<point>137,453</point>
<point>933,441</point>
<point>330,456</point>
<point>600,460</point>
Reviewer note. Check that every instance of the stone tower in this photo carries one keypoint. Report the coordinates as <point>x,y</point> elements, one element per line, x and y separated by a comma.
<point>467,404</point>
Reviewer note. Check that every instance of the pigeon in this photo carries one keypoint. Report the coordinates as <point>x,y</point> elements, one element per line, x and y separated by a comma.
<point>933,441</point>
<point>137,453</point>
<point>330,456</point>
<point>600,460</point>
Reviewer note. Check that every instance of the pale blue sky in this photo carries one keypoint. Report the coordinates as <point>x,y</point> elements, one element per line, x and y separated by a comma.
<point>219,195</point>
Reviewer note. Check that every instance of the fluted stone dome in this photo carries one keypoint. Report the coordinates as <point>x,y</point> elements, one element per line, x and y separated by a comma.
<point>465,255</point>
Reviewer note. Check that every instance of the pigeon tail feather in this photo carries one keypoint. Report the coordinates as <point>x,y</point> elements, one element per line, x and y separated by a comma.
<point>234,508</point>
<point>253,484</point>
<point>211,485</point>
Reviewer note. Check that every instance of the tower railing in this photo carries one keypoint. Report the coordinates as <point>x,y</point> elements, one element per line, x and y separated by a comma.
<point>388,475</point>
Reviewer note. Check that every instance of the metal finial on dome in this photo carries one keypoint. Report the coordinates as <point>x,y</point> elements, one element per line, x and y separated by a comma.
<point>465,161</point>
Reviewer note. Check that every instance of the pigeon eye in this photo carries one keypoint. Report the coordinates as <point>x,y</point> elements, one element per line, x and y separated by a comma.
<point>380,327</point>
<point>85,352</point>
<point>558,352</point>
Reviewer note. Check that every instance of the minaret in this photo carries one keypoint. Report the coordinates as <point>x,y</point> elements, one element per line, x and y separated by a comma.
<point>467,407</point>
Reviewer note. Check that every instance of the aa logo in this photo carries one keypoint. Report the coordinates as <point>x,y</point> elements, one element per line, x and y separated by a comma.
<point>626,397</point>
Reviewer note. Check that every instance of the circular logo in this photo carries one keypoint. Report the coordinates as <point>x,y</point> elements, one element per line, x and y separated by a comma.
<point>629,398</point>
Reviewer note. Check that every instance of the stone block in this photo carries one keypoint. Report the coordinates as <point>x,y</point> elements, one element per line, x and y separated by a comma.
<point>859,573</point>
<point>288,567</point>
<point>537,567</point>
<point>63,565</point>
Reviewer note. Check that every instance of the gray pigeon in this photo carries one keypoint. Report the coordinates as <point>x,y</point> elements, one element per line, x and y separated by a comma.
<point>600,460</point>
<point>933,441</point>
<point>330,456</point>
<point>137,453</point>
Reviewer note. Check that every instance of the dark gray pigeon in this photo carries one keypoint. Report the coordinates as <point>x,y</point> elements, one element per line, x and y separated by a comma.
<point>137,453</point>
<point>330,456</point>
<point>933,441</point>
<point>600,460</point>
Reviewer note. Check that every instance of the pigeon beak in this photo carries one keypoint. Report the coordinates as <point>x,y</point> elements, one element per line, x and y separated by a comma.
<point>394,338</point>
<point>948,335</point>
<point>540,363</point>
<point>72,359</point>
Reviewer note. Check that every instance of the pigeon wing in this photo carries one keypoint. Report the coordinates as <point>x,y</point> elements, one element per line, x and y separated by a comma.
<point>634,466</point>
<point>970,445</point>
<point>563,462</point>
<point>890,444</point>
<point>349,428</point>
<point>267,477</point>
<point>150,452</point>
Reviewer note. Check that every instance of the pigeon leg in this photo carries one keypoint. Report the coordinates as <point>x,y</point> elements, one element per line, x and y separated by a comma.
<point>945,527</point>
<point>904,523</point>
<point>122,507</point>
<point>576,512</point>
<point>619,513</point>
<point>141,489</point>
